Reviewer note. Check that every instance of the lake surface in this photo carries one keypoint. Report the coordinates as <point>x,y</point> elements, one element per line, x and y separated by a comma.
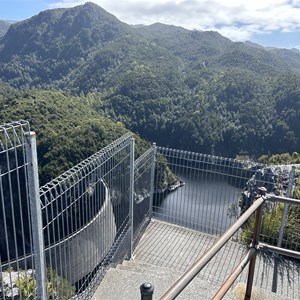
<point>202,203</point>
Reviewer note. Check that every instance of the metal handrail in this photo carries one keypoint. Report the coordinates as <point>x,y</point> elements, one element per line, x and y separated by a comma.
<point>284,199</point>
<point>235,273</point>
<point>278,250</point>
<point>193,271</point>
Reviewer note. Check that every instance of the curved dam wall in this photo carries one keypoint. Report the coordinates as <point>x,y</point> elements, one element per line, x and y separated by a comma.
<point>76,256</point>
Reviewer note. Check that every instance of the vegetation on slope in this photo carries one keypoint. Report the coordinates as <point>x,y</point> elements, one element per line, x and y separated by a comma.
<point>273,214</point>
<point>184,89</point>
<point>4,25</point>
<point>68,129</point>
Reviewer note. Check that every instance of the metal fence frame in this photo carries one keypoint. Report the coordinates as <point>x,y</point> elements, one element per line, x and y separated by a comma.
<point>36,215</point>
<point>205,168</point>
<point>112,163</point>
<point>144,168</point>
<point>250,256</point>
<point>101,214</point>
<point>18,167</point>
<point>111,184</point>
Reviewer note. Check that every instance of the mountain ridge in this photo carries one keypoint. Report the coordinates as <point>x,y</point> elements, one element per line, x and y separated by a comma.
<point>69,36</point>
<point>198,88</point>
<point>62,26</point>
<point>4,26</point>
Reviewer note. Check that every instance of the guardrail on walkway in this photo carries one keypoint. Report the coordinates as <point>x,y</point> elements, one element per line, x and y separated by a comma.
<point>84,211</point>
<point>250,256</point>
<point>59,239</point>
<point>205,193</point>
<point>144,168</point>
<point>18,215</point>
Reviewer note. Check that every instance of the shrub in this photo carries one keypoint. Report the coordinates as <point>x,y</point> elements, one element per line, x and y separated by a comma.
<point>271,222</point>
<point>57,286</point>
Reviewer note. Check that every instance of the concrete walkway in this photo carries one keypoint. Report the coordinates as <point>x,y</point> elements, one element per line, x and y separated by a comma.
<point>166,251</point>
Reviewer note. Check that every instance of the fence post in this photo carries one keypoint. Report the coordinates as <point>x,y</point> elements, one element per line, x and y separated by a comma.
<point>255,240</point>
<point>131,196</point>
<point>286,206</point>
<point>152,181</point>
<point>36,215</point>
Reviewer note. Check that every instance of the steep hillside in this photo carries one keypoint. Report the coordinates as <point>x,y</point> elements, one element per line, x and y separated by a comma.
<point>290,56</point>
<point>46,48</point>
<point>191,46</point>
<point>68,129</point>
<point>210,49</point>
<point>63,33</point>
<point>184,89</point>
<point>4,25</point>
<point>85,48</point>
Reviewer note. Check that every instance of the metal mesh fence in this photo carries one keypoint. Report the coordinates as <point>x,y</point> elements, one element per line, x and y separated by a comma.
<point>143,192</point>
<point>16,261</point>
<point>209,193</point>
<point>291,230</point>
<point>199,191</point>
<point>85,214</point>
<point>271,226</point>
<point>280,220</point>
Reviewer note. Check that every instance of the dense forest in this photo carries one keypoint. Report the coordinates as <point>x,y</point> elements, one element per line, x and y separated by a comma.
<point>82,78</point>
<point>194,90</point>
<point>68,129</point>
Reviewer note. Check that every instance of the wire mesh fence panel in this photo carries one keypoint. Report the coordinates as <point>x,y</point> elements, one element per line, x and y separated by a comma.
<point>199,191</point>
<point>276,273</point>
<point>291,234</point>
<point>85,215</point>
<point>280,220</point>
<point>17,275</point>
<point>271,226</point>
<point>176,248</point>
<point>143,167</point>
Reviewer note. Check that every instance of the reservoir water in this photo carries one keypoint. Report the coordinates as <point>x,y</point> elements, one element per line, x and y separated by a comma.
<point>202,202</point>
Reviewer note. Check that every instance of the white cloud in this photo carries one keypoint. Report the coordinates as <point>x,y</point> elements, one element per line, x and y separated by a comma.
<point>296,3</point>
<point>67,3</point>
<point>236,34</point>
<point>236,19</point>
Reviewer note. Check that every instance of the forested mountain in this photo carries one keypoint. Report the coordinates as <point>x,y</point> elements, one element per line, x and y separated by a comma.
<point>290,56</point>
<point>68,128</point>
<point>4,25</point>
<point>185,89</point>
<point>210,49</point>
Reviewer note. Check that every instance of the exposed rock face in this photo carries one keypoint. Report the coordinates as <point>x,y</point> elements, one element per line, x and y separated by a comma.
<point>274,178</point>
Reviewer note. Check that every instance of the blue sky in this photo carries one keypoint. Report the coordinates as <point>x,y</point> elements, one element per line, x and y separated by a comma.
<point>16,10</point>
<point>267,22</point>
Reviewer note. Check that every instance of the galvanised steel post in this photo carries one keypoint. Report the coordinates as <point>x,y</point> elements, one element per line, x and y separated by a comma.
<point>152,181</point>
<point>286,206</point>
<point>131,196</point>
<point>255,241</point>
<point>36,216</point>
